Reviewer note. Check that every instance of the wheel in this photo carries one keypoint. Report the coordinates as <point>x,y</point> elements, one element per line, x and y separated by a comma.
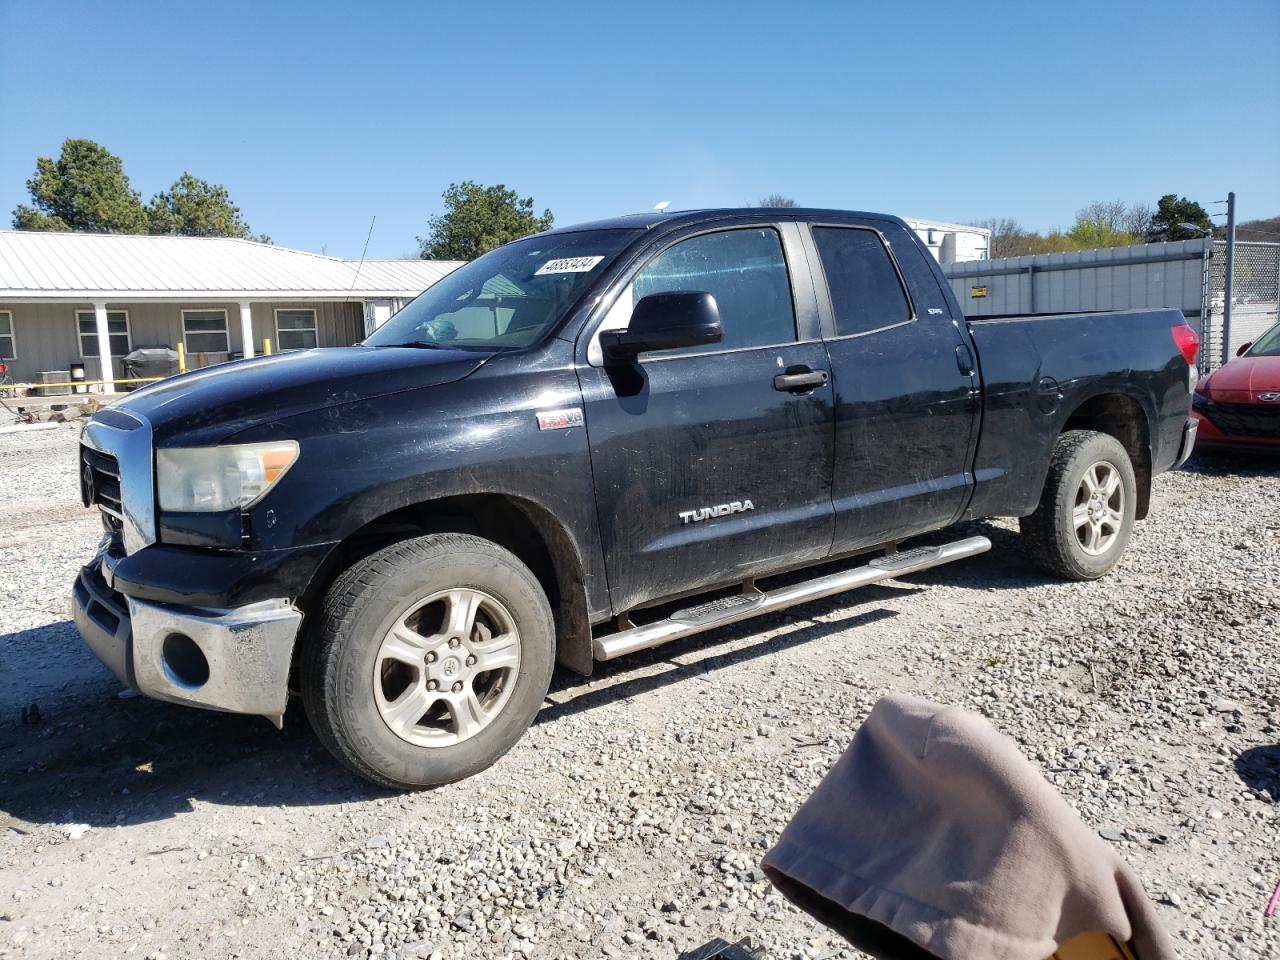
<point>429,661</point>
<point>1082,525</point>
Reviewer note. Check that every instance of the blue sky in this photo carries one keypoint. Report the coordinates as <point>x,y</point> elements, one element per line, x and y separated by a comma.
<point>318,116</point>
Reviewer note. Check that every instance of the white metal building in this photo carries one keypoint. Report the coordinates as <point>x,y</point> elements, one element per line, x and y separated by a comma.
<point>76,297</point>
<point>952,242</point>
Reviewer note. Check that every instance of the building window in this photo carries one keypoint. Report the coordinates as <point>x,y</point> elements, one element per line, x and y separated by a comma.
<point>205,331</point>
<point>117,327</point>
<point>296,329</point>
<point>7,351</point>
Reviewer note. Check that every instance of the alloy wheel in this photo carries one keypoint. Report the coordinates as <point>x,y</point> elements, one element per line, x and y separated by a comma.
<point>1098,512</point>
<point>447,667</point>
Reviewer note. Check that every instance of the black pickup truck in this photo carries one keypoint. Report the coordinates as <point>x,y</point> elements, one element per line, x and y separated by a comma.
<point>593,441</point>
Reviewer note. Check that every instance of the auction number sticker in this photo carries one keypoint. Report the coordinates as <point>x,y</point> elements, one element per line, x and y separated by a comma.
<point>568,265</point>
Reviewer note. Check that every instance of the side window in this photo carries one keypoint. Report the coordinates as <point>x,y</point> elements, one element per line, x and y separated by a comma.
<point>866,293</point>
<point>917,269</point>
<point>7,351</point>
<point>743,269</point>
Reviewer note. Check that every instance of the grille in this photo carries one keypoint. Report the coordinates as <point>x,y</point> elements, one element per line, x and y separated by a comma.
<point>100,486</point>
<point>1245,419</point>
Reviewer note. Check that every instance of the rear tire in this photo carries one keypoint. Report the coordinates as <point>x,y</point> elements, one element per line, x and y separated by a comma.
<point>430,660</point>
<point>1085,518</point>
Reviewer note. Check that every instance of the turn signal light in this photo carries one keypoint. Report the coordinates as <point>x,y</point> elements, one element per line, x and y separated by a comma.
<point>276,462</point>
<point>1187,342</point>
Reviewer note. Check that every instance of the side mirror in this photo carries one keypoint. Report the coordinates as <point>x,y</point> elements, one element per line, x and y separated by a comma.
<point>664,321</point>
<point>1243,349</point>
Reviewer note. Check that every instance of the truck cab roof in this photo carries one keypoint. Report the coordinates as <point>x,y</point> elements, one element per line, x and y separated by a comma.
<point>653,218</point>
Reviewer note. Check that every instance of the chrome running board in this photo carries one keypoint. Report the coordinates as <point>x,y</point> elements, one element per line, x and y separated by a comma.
<point>726,610</point>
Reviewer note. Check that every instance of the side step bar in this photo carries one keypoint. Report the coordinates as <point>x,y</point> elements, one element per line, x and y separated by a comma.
<point>718,613</point>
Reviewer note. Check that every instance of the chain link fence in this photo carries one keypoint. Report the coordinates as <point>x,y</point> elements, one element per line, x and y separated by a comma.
<point>1255,299</point>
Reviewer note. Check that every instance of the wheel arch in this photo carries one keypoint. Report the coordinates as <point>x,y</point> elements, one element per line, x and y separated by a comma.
<point>518,524</point>
<point>1124,417</point>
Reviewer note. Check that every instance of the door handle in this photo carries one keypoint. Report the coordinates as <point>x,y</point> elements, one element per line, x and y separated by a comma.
<point>964,360</point>
<point>799,380</point>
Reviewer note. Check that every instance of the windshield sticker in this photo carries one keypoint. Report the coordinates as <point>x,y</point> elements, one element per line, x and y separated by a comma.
<point>568,265</point>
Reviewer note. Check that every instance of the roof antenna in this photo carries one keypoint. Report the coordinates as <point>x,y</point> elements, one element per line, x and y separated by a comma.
<point>362,253</point>
<point>661,205</point>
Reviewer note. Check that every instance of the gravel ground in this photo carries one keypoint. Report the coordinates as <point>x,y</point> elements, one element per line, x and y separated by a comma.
<point>630,821</point>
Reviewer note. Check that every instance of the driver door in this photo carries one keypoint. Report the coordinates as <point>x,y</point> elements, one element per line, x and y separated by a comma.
<point>707,471</point>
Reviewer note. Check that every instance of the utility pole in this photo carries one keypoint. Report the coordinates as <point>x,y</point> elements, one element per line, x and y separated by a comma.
<point>1229,277</point>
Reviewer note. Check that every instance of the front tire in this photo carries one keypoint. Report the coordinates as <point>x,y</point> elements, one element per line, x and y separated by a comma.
<point>1085,518</point>
<point>431,659</point>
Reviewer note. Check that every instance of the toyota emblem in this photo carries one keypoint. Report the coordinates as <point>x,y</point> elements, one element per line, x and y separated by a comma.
<point>88,484</point>
<point>1269,398</point>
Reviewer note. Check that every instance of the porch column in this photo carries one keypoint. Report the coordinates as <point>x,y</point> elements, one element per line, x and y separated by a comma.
<point>104,347</point>
<point>246,328</point>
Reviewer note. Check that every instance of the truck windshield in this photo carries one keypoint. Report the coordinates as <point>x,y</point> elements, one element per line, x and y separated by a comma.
<point>508,298</point>
<point>1267,345</point>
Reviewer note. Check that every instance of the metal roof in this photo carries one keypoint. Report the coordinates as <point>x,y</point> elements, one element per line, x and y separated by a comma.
<point>92,266</point>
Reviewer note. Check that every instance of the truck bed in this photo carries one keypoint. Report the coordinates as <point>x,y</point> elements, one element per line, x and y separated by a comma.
<point>1040,370</point>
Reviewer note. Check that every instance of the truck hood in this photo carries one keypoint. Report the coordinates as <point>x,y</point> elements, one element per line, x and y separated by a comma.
<point>209,405</point>
<point>1242,380</point>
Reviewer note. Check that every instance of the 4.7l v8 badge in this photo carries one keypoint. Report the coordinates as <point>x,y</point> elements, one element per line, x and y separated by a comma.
<point>720,510</point>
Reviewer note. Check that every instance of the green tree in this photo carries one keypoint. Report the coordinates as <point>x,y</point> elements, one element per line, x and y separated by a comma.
<point>84,189</point>
<point>197,208</point>
<point>1171,213</point>
<point>477,219</point>
<point>1102,224</point>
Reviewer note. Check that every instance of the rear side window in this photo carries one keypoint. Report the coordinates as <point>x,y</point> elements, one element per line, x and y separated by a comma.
<point>917,268</point>
<point>866,293</point>
<point>743,269</point>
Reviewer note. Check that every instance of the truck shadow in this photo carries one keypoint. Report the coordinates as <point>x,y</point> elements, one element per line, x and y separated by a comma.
<point>1259,769</point>
<point>1225,463</point>
<point>632,676</point>
<point>1003,567</point>
<point>104,761</point>
<point>90,756</point>
<point>95,758</point>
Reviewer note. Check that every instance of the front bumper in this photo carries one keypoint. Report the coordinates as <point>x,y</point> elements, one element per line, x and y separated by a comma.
<point>1212,438</point>
<point>222,659</point>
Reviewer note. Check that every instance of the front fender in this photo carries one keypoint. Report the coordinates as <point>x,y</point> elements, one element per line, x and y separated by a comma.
<point>362,461</point>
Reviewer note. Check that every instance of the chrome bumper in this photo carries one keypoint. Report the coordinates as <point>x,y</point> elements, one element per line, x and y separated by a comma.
<point>234,660</point>
<point>1188,441</point>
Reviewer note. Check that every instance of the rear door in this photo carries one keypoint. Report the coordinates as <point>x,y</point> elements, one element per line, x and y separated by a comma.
<point>906,386</point>
<point>706,470</point>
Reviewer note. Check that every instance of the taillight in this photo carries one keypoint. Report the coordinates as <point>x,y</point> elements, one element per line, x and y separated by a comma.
<point>1187,342</point>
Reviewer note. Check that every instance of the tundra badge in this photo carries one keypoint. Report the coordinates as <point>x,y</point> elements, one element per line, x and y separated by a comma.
<point>720,510</point>
<point>559,419</point>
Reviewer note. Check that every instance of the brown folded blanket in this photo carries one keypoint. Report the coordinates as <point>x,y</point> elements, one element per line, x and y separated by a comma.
<point>935,829</point>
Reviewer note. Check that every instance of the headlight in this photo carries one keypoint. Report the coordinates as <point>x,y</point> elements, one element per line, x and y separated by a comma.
<point>210,479</point>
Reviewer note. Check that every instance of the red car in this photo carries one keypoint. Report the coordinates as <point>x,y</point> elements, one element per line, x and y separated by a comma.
<point>1238,405</point>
